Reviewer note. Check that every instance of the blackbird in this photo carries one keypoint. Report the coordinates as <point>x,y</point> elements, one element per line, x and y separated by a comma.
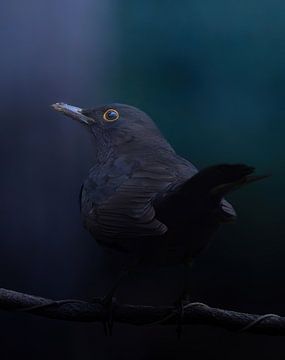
<point>142,198</point>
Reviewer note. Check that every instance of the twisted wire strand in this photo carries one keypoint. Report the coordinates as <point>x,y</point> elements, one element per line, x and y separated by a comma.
<point>172,314</point>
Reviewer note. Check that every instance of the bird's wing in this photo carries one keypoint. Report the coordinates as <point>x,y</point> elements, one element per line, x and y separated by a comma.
<point>129,213</point>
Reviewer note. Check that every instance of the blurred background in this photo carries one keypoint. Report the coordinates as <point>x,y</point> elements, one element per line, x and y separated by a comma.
<point>212,76</point>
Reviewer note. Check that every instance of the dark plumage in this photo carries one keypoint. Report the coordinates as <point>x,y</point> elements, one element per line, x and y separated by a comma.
<point>141,197</point>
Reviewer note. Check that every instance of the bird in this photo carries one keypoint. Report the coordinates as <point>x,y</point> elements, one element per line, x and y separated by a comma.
<point>143,199</point>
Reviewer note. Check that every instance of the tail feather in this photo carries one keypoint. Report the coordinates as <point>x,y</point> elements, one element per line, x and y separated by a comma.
<point>207,189</point>
<point>233,177</point>
<point>217,181</point>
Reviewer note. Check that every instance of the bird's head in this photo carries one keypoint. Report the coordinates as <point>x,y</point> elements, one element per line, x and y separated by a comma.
<point>117,125</point>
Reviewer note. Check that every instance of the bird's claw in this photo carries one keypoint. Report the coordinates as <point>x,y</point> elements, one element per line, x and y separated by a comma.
<point>180,303</point>
<point>108,304</point>
<point>180,311</point>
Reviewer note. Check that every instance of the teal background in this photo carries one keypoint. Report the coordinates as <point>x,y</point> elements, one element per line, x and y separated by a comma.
<point>212,76</point>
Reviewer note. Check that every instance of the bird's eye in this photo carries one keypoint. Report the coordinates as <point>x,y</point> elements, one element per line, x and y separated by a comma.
<point>111,115</point>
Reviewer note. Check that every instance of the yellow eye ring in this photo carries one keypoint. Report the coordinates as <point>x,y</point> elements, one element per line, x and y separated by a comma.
<point>111,115</point>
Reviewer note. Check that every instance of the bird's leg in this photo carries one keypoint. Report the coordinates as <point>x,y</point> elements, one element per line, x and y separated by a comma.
<point>108,300</point>
<point>186,281</point>
<point>111,292</point>
<point>184,297</point>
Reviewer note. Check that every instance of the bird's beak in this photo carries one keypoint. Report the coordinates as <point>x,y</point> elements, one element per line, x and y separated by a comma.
<point>73,112</point>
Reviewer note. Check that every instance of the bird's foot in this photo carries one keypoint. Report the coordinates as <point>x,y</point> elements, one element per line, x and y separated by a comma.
<point>108,305</point>
<point>180,304</point>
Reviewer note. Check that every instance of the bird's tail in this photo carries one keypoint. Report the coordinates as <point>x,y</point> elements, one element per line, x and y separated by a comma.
<point>206,190</point>
<point>219,180</point>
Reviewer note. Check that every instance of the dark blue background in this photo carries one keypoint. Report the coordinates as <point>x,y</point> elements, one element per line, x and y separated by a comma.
<point>212,75</point>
